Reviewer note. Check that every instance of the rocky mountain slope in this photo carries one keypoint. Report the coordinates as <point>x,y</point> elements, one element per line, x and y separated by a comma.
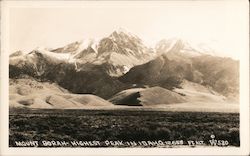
<point>117,53</point>
<point>177,63</point>
<point>86,66</point>
<point>121,68</point>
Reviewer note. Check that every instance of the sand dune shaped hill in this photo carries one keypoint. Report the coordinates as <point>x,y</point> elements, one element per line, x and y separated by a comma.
<point>32,94</point>
<point>146,97</point>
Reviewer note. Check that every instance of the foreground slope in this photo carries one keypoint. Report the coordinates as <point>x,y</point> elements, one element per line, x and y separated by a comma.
<point>194,92</point>
<point>189,96</point>
<point>30,93</point>
<point>146,97</point>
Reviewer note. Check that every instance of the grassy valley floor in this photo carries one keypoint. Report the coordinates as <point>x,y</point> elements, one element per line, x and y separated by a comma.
<point>133,127</point>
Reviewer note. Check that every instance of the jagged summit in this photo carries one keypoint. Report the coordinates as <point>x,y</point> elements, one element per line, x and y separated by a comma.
<point>183,47</point>
<point>121,30</point>
<point>77,46</point>
<point>117,53</point>
<point>123,33</point>
<point>17,53</point>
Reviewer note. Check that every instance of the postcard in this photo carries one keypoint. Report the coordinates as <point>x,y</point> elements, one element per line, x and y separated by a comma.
<point>125,77</point>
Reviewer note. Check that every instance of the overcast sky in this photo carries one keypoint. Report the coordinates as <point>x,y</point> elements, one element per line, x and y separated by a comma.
<point>220,24</point>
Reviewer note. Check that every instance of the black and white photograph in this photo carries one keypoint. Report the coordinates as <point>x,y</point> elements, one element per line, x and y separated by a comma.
<point>125,76</point>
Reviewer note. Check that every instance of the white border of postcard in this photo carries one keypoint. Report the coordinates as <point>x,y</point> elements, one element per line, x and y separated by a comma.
<point>244,89</point>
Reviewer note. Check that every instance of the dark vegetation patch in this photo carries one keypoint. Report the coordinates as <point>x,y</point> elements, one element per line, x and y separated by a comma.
<point>125,125</point>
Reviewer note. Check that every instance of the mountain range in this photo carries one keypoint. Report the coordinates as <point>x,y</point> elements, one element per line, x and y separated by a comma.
<point>121,62</point>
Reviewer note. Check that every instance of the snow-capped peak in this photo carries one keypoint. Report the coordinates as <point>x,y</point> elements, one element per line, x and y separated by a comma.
<point>17,54</point>
<point>122,30</point>
<point>122,33</point>
<point>84,44</point>
<point>44,51</point>
<point>177,45</point>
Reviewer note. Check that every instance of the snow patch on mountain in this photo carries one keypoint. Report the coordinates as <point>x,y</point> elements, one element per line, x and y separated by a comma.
<point>177,45</point>
<point>59,56</point>
<point>120,49</point>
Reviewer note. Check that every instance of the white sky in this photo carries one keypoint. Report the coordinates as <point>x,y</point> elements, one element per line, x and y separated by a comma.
<point>221,24</point>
